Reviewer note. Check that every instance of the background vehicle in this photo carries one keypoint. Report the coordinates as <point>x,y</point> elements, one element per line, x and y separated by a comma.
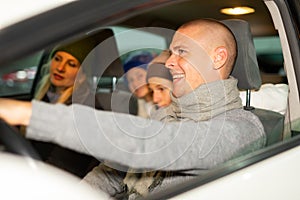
<point>274,22</point>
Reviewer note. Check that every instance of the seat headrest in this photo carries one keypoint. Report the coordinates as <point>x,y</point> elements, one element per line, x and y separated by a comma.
<point>246,68</point>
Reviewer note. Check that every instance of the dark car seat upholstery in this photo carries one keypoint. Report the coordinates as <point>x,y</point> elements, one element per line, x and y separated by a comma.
<point>107,71</point>
<point>247,72</point>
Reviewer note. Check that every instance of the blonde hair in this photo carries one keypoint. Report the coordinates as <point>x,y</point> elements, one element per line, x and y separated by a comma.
<point>44,86</point>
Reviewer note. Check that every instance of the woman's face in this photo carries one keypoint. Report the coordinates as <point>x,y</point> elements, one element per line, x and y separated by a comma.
<point>63,69</point>
<point>137,82</point>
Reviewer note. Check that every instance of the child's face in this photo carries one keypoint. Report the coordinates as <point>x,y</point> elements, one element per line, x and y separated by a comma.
<point>137,82</point>
<point>161,91</point>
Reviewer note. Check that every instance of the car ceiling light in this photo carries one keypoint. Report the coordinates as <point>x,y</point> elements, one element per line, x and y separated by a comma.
<point>237,10</point>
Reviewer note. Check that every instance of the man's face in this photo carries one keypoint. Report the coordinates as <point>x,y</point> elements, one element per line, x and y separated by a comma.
<point>189,64</point>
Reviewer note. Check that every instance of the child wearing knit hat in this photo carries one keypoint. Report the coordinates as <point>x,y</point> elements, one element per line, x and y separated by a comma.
<point>160,80</point>
<point>60,72</point>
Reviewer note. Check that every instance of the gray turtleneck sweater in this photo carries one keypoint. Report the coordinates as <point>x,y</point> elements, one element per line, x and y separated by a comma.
<point>197,132</point>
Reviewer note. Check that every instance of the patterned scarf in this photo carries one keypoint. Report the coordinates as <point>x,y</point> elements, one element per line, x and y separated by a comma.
<point>204,103</point>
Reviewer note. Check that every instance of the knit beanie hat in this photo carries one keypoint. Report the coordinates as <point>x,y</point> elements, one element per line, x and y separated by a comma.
<point>79,49</point>
<point>157,67</point>
<point>141,60</point>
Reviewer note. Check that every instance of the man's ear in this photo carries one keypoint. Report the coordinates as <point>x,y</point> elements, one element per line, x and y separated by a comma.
<point>220,57</point>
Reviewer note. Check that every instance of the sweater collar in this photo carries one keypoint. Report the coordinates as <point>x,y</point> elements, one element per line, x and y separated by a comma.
<point>204,103</point>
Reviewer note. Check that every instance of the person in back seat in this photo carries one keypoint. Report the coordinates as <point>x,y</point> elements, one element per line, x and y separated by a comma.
<point>135,68</point>
<point>160,80</point>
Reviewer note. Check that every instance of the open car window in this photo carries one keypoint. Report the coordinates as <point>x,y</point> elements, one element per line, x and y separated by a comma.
<point>17,78</point>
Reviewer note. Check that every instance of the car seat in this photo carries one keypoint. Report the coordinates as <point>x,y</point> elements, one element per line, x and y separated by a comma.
<point>246,70</point>
<point>104,68</point>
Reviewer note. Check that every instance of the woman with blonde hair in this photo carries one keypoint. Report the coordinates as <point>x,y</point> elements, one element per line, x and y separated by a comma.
<point>58,82</point>
<point>57,86</point>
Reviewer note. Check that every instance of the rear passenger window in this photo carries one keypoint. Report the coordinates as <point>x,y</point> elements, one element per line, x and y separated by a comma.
<point>130,41</point>
<point>270,59</point>
<point>136,39</point>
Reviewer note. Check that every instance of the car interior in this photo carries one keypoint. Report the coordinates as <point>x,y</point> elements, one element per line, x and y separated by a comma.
<point>259,61</point>
<point>108,82</point>
<point>246,70</point>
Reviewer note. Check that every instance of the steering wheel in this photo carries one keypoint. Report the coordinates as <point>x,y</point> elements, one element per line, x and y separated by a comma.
<point>14,142</point>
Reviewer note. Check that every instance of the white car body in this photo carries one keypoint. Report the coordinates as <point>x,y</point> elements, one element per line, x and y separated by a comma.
<point>272,178</point>
<point>25,178</point>
<point>274,175</point>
